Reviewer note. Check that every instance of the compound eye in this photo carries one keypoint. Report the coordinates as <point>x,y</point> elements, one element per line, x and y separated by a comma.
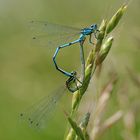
<point>94,26</point>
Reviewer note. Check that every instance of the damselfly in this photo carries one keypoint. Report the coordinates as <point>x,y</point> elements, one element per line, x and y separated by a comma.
<point>45,30</point>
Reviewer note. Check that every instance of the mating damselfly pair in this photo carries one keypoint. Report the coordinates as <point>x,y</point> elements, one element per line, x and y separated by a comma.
<point>46,29</point>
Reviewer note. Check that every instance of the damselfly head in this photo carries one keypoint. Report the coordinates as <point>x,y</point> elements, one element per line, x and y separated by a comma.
<point>73,73</point>
<point>94,26</point>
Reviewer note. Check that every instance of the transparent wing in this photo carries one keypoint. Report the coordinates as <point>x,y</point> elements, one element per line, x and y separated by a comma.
<point>52,28</point>
<point>49,34</point>
<point>39,113</point>
<point>53,41</point>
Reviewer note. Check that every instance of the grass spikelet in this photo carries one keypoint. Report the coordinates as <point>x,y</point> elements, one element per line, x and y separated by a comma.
<point>76,128</point>
<point>101,35</point>
<point>116,18</point>
<point>104,50</point>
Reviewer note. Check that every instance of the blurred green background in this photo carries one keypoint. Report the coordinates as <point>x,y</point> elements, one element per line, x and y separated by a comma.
<point>27,72</point>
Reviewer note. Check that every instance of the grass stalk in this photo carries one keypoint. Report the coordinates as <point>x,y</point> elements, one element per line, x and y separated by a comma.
<point>95,58</point>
